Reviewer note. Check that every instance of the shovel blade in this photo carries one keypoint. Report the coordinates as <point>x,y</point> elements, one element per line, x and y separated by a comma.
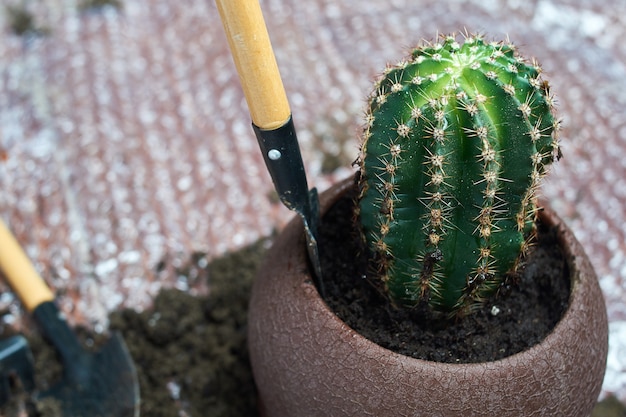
<point>284,162</point>
<point>111,388</point>
<point>310,216</point>
<point>100,384</point>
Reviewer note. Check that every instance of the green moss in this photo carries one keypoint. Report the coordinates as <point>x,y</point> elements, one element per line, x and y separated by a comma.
<point>87,5</point>
<point>22,22</point>
<point>609,407</point>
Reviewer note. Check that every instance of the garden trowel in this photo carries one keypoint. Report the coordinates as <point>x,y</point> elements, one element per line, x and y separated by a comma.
<point>271,115</point>
<point>94,384</point>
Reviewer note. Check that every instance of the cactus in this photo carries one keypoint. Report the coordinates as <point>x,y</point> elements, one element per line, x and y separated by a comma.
<point>457,140</point>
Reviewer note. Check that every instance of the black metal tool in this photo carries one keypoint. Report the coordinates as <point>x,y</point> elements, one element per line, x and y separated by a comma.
<point>284,162</point>
<point>94,384</point>
<point>271,115</point>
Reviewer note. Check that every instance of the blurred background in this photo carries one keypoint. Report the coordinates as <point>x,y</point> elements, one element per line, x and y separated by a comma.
<point>126,150</point>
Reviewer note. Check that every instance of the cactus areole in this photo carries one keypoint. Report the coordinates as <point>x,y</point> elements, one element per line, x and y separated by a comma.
<point>458,138</point>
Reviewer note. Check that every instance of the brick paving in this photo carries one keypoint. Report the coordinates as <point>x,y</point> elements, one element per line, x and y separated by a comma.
<point>125,144</point>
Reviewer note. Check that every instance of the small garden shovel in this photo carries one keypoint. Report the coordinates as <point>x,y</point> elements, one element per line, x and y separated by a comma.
<point>271,115</point>
<point>94,384</point>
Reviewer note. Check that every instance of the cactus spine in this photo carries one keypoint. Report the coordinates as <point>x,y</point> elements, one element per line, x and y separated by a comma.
<point>457,140</point>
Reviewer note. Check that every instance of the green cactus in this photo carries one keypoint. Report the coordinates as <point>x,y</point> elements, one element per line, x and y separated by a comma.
<point>457,140</point>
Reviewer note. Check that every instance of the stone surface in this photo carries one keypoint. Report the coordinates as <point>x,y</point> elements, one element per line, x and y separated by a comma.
<point>125,143</point>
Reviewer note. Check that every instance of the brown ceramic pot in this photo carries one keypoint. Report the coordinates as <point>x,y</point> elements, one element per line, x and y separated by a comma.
<point>307,362</point>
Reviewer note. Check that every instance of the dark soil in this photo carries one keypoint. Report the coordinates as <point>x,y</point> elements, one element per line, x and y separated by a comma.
<point>526,312</point>
<point>192,351</point>
<point>191,354</point>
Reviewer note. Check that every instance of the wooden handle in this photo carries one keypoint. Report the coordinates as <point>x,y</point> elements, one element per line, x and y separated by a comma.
<point>255,61</point>
<point>20,272</point>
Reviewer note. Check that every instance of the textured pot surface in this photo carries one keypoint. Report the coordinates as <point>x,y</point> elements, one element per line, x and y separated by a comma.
<point>307,362</point>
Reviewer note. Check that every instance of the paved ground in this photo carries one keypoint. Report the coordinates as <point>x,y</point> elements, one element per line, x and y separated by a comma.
<point>125,144</point>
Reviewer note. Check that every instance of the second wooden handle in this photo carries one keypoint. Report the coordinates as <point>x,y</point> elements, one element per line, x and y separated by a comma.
<point>20,272</point>
<point>255,61</point>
